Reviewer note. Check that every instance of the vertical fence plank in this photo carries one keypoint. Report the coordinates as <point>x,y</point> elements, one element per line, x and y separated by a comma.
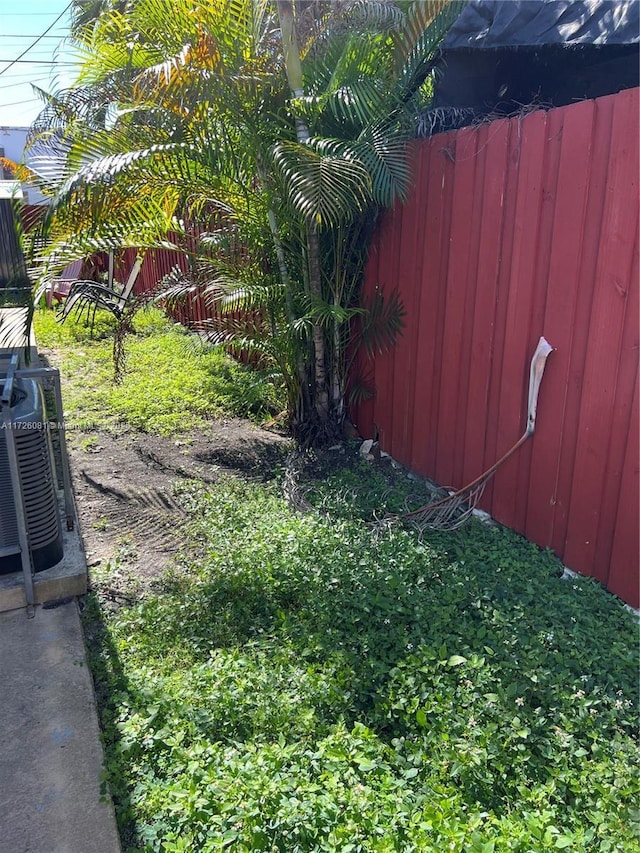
<point>621,420</point>
<point>408,275</point>
<point>482,336</point>
<point>614,266</point>
<point>384,363</point>
<point>566,451</point>
<point>439,154</point>
<point>551,156</point>
<point>456,299</point>
<point>623,580</point>
<point>563,289</point>
<point>507,231</point>
<point>478,151</point>
<point>518,343</point>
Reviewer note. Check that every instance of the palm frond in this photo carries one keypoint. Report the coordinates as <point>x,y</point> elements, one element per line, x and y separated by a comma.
<point>325,181</point>
<point>382,322</point>
<point>361,388</point>
<point>383,151</point>
<point>325,313</point>
<point>425,25</point>
<point>375,15</point>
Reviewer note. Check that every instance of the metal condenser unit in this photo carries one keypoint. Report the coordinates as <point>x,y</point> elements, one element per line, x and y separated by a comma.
<point>37,481</point>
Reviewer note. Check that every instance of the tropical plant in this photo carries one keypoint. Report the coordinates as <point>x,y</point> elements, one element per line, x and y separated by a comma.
<point>284,127</point>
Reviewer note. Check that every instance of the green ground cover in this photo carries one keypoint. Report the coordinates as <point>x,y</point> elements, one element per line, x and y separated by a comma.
<point>306,683</point>
<point>172,381</point>
<point>314,682</point>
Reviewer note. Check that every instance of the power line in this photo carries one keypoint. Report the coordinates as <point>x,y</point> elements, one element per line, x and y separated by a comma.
<point>17,36</point>
<point>25,82</point>
<point>26,102</point>
<point>34,43</point>
<point>37,62</point>
<point>65,55</point>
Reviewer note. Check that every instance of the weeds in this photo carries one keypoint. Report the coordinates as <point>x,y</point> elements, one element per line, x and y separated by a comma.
<point>172,383</point>
<point>305,686</point>
<point>312,682</point>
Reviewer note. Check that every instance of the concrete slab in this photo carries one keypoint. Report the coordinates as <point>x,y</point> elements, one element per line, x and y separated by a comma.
<point>50,754</point>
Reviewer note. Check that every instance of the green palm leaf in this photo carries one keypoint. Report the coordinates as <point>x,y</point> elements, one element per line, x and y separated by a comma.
<point>382,322</point>
<point>384,154</point>
<point>325,181</point>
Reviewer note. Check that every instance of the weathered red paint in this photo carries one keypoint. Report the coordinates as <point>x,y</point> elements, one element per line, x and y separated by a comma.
<point>521,228</point>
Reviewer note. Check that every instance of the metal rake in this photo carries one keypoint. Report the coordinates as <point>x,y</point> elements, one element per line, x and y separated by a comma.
<point>453,511</point>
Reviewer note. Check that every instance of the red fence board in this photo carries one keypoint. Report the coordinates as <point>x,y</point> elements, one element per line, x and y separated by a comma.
<point>435,245</point>
<point>488,266</point>
<point>563,251</point>
<point>610,300</point>
<point>521,228</point>
<point>622,578</point>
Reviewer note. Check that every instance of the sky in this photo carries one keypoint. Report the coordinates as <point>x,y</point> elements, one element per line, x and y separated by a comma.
<point>47,64</point>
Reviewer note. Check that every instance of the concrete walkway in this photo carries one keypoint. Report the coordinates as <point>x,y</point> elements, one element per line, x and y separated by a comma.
<point>50,752</point>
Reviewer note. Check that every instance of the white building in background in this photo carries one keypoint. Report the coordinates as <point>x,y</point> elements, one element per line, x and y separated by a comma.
<point>12,144</point>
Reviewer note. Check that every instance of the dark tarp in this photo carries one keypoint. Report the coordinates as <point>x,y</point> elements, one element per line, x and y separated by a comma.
<point>490,24</point>
<point>502,57</point>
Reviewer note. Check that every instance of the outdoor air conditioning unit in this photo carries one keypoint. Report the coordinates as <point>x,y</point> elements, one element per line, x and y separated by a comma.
<point>37,481</point>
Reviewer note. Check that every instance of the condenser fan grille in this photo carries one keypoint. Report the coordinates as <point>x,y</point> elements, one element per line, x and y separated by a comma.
<point>37,486</point>
<point>8,519</point>
<point>37,483</point>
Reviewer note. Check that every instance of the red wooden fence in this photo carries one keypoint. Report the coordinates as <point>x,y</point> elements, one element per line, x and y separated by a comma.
<point>196,308</point>
<point>516,229</point>
<point>156,265</point>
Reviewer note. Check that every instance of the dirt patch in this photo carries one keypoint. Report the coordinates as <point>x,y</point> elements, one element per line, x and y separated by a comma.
<point>124,487</point>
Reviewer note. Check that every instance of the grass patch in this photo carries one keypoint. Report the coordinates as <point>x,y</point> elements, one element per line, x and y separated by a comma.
<point>173,383</point>
<point>309,684</point>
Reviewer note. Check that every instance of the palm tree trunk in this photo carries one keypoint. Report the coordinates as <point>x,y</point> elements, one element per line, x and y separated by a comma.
<point>294,77</point>
<point>301,368</point>
<point>317,332</point>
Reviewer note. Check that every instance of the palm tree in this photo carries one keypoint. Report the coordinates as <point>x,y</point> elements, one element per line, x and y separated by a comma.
<point>284,125</point>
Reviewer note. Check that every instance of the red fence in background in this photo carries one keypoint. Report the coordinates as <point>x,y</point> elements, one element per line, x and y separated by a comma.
<point>516,229</point>
<point>156,265</point>
<point>195,308</point>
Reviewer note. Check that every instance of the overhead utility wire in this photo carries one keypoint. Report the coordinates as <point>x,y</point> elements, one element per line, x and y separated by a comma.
<point>22,103</point>
<point>37,62</point>
<point>34,43</point>
<point>26,82</point>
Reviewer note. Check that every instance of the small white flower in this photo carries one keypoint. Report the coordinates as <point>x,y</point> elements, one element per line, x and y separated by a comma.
<point>548,638</point>
<point>409,646</point>
<point>520,701</point>
<point>619,703</point>
<point>580,694</point>
<point>387,621</point>
<point>584,678</point>
<point>573,619</point>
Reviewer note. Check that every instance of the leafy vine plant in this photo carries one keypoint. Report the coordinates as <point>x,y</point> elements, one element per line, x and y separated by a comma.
<point>280,130</point>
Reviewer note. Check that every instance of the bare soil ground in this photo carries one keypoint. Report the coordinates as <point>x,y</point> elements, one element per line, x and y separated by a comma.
<point>124,487</point>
